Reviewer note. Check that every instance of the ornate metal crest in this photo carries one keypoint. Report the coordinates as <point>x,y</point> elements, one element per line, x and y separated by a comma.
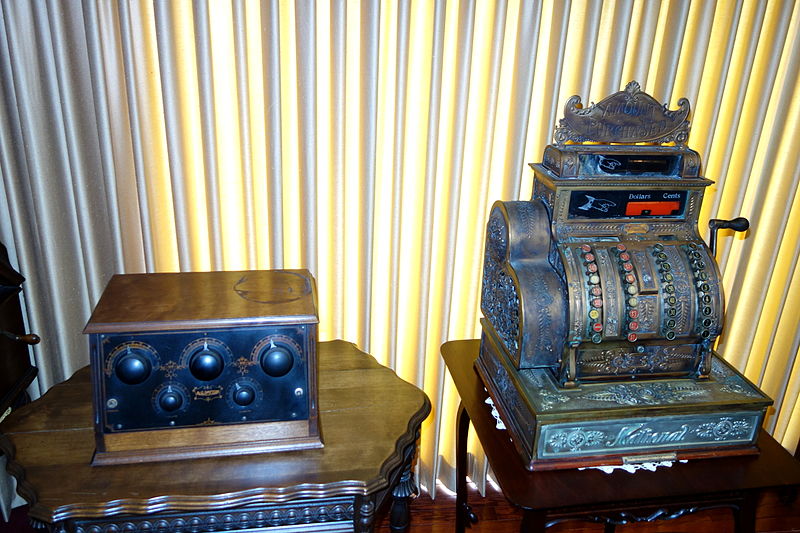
<point>629,116</point>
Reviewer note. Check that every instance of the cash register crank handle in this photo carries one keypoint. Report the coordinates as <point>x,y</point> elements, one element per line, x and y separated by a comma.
<point>715,224</point>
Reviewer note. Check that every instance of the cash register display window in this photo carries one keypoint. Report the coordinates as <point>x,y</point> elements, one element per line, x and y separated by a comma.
<point>596,204</point>
<point>630,164</point>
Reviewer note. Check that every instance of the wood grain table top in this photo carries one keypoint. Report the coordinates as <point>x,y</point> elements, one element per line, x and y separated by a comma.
<point>368,418</point>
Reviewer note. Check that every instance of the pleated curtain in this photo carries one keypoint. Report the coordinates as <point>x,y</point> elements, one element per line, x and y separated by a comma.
<point>366,141</point>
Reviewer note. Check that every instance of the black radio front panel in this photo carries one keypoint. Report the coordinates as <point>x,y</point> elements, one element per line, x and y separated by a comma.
<point>201,377</point>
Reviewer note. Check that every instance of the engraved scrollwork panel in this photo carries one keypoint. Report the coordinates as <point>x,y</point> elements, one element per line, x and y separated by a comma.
<point>643,434</point>
<point>683,290</point>
<point>499,295</point>
<point>627,116</point>
<point>576,285</point>
<point>611,297</point>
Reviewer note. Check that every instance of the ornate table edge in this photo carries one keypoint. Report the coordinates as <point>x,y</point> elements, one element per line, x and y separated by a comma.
<point>255,496</point>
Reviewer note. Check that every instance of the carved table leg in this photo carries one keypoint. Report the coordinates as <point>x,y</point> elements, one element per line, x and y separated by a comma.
<point>464,515</point>
<point>403,493</point>
<point>744,518</point>
<point>363,514</point>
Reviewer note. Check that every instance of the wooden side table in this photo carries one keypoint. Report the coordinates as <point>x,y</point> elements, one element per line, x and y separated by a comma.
<point>549,497</point>
<point>370,422</point>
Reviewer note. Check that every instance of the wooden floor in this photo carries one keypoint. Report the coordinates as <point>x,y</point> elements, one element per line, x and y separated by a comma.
<point>496,515</point>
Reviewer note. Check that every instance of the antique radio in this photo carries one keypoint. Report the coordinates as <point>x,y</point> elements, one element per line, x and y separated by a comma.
<point>204,363</point>
<point>602,303</point>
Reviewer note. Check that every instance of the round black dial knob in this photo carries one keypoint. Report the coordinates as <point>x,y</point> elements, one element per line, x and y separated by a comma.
<point>133,367</point>
<point>206,364</point>
<point>244,395</point>
<point>170,399</point>
<point>277,361</point>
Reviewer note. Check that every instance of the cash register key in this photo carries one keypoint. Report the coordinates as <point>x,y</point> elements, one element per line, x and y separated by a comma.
<point>630,278</point>
<point>597,302</point>
<point>672,312</point>
<point>632,337</point>
<point>597,327</point>
<point>668,277</point>
<point>627,267</point>
<point>670,335</point>
<point>633,313</point>
<point>588,257</point>
<point>621,247</point>
<point>658,247</point>
<point>597,338</point>
<point>665,267</point>
<point>633,301</point>
<point>669,288</point>
<point>594,314</point>
<point>632,289</point>
<point>625,256</point>
<point>597,291</point>
<point>591,267</point>
<point>670,323</point>
<point>594,279</point>
<point>633,326</point>
<point>707,322</point>
<point>586,248</point>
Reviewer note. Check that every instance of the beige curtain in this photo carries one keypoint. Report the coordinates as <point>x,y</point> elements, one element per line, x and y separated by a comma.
<point>366,141</point>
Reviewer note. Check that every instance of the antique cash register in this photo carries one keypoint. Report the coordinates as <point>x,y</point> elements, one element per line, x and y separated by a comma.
<point>602,303</point>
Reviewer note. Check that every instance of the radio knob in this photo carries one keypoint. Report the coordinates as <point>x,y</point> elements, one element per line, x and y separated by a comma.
<point>170,399</point>
<point>244,395</point>
<point>277,361</point>
<point>133,368</point>
<point>206,364</point>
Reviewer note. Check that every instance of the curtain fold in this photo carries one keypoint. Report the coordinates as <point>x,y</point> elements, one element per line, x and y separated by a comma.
<point>366,141</point>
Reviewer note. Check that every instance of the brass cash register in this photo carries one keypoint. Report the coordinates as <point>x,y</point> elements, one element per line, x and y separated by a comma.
<point>602,303</point>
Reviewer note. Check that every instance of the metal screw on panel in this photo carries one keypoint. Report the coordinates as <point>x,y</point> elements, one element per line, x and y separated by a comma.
<point>112,403</point>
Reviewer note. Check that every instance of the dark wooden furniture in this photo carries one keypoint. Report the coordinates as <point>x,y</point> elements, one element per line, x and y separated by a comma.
<point>16,371</point>
<point>549,497</point>
<point>369,419</point>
